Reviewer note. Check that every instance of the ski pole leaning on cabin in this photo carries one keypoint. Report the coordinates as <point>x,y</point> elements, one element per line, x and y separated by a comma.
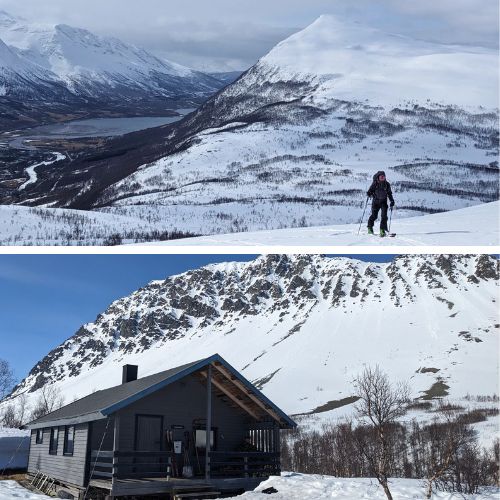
<point>363,216</point>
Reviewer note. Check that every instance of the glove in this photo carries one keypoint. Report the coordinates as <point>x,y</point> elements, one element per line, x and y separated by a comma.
<point>369,195</point>
<point>392,204</point>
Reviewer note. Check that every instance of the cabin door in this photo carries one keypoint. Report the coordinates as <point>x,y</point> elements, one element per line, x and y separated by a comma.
<point>149,432</point>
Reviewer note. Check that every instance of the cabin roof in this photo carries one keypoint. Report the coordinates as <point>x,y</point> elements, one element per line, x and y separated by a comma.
<point>226,380</point>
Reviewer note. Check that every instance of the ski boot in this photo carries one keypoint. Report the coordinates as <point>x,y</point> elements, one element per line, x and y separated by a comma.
<point>370,230</point>
<point>383,234</point>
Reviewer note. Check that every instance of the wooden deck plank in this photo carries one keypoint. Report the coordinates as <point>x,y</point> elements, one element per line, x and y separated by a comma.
<point>146,486</point>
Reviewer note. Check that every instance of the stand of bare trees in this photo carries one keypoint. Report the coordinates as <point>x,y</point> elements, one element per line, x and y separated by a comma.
<point>445,454</point>
<point>18,412</point>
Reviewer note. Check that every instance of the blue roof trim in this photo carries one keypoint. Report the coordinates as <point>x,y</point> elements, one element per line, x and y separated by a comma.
<point>187,371</point>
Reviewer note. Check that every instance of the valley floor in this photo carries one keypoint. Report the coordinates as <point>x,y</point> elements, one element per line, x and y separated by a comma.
<point>478,225</point>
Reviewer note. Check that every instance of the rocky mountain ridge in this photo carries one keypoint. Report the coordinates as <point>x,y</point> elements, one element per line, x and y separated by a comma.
<point>278,318</point>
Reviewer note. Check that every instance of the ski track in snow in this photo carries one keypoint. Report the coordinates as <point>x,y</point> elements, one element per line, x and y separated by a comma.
<point>31,171</point>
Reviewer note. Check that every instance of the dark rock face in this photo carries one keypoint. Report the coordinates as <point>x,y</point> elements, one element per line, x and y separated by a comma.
<point>487,268</point>
<point>218,296</point>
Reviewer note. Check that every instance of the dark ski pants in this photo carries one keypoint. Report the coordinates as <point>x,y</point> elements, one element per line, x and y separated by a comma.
<point>376,206</point>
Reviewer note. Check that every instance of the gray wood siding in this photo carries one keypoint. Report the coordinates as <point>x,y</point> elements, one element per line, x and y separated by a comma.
<point>69,469</point>
<point>179,404</point>
<point>97,430</point>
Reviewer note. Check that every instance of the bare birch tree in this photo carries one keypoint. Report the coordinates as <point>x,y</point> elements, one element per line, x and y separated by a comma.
<point>381,404</point>
<point>7,380</point>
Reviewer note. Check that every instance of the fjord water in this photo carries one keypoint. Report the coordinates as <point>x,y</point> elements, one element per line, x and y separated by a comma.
<point>101,127</point>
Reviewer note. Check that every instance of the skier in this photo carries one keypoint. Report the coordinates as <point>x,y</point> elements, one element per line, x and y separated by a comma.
<point>380,190</point>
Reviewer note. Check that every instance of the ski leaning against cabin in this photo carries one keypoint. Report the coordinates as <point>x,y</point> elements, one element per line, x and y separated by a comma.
<point>179,428</point>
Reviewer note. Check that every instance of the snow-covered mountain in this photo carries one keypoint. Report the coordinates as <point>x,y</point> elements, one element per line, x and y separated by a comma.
<point>296,140</point>
<point>96,69</point>
<point>21,77</point>
<point>304,322</point>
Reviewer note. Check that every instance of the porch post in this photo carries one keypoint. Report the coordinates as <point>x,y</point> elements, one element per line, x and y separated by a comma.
<point>209,423</point>
<point>116,446</point>
<point>277,448</point>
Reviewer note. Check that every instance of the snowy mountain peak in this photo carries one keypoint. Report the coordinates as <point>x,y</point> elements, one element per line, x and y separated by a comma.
<point>288,313</point>
<point>104,68</point>
<point>353,60</point>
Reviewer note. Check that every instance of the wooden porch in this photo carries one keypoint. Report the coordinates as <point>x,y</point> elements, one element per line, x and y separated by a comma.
<point>174,486</point>
<point>142,473</point>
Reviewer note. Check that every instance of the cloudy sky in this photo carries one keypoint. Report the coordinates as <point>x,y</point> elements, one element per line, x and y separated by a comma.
<point>233,34</point>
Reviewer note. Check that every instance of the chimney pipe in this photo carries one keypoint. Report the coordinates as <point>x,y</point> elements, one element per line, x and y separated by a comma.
<point>129,373</point>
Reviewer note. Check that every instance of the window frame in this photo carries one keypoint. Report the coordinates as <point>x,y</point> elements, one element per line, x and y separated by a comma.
<point>67,453</point>
<point>39,436</point>
<point>53,432</point>
<point>213,438</point>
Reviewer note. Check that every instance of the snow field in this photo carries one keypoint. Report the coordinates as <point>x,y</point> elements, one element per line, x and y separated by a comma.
<point>10,490</point>
<point>476,226</point>
<point>293,486</point>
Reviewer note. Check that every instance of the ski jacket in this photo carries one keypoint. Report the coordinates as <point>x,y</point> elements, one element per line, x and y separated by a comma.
<point>380,190</point>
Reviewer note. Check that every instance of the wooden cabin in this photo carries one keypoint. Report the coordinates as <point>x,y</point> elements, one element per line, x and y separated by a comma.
<point>198,427</point>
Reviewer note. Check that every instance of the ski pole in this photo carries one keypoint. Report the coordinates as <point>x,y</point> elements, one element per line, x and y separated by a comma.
<point>390,219</point>
<point>363,216</point>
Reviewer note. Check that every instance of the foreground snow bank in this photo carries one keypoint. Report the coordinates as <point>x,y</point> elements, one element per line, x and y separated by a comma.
<point>293,486</point>
<point>14,449</point>
<point>478,225</point>
<point>12,489</point>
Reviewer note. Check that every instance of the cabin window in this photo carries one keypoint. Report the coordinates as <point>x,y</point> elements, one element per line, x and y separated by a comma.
<point>39,436</point>
<point>54,440</point>
<point>201,438</point>
<point>69,439</point>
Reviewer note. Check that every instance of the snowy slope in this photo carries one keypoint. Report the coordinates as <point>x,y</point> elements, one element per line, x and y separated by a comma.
<point>350,60</point>
<point>19,76</point>
<point>296,140</point>
<point>308,322</point>
<point>478,226</point>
